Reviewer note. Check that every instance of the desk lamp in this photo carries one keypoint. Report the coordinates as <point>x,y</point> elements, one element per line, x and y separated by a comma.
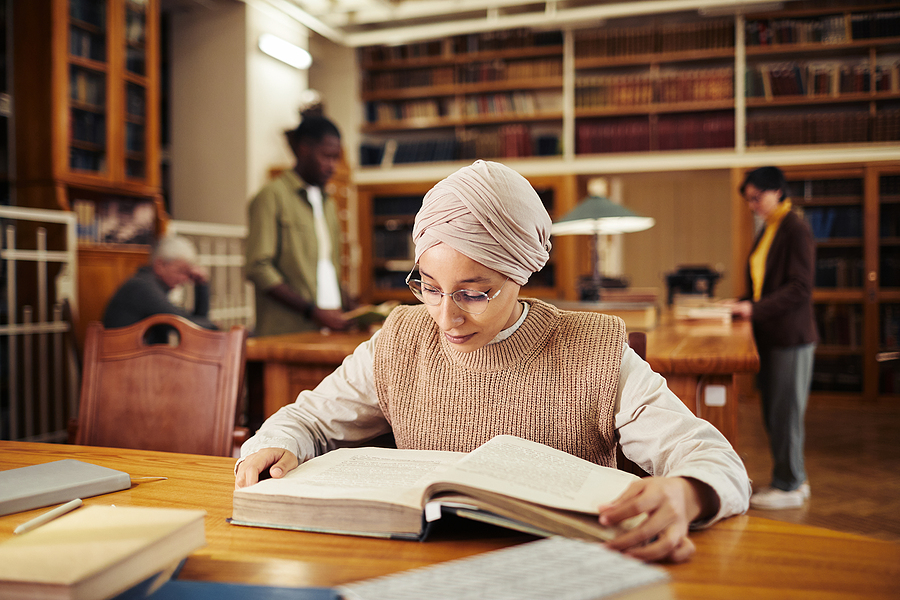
<point>597,215</point>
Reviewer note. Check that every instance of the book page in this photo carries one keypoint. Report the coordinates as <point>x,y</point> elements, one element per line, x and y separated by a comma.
<point>381,474</point>
<point>534,472</point>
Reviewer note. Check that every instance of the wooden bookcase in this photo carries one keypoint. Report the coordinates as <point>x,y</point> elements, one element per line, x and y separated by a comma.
<point>661,84</point>
<point>87,128</point>
<point>653,88</point>
<point>823,76</point>
<point>386,217</point>
<point>487,95</point>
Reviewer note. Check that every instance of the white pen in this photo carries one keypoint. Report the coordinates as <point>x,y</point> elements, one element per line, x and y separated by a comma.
<point>48,516</point>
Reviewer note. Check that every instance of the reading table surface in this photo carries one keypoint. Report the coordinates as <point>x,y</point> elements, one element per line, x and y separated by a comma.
<point>742,557</point>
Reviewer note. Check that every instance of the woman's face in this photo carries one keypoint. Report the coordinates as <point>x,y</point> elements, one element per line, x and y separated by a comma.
<point>448,270</point>
<point>762,202</point>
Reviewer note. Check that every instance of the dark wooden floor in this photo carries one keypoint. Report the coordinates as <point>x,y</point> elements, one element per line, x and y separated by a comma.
<point>853,464</point>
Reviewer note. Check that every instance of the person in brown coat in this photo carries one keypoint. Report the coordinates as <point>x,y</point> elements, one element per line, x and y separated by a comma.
<point>780,280</point>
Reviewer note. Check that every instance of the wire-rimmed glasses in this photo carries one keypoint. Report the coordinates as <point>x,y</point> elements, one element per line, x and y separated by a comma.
<point>470,301</point>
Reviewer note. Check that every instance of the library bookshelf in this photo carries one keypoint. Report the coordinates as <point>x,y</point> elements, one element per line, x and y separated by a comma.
<point>87,126</point>
<point>652,89</point>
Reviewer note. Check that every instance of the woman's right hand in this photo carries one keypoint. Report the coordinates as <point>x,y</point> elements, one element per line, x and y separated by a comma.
<point>277,460</point>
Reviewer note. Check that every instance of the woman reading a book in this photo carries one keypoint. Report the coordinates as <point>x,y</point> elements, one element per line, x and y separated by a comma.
<point>475,361</point>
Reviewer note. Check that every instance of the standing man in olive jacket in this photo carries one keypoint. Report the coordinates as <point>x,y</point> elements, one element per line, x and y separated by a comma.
<point>293,246</point>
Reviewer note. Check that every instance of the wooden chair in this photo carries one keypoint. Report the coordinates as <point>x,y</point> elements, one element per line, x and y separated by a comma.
<point>176,397</point>
<point>638,342</point>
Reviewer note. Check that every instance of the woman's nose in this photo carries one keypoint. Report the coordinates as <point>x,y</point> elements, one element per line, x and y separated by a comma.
<point>449,314</point>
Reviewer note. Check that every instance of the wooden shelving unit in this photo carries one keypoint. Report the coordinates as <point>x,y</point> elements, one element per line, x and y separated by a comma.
<point>87,113</point>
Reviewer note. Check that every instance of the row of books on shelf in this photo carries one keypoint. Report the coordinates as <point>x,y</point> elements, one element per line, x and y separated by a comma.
<point>86,44</point>
<point>647,88</point>
<point>835,222</point>
<point>820,79</point>
<point>412,78</point>
<point>839,324</point>
<point>889,220</point>
<point>87,87</point>
<point>889,377</point>
<point>810,189</point>
<point>377,54</point>
<point>135,25</point>
<point>890,326</point>
<point>839,272</point>
<point>837,374</point>
<point>889,263</point>
<point>508,141</point>
<point>494,71</point>
<point>889,185</point>
<point>509,70</point>
<point>826,29</point>
<point>823,128</point>
<point>511,103</point>
<point>88,11</point>
<point>523,37</point>
<point>81,159</point>
<point>507,39</point>
<point>671,132</point>
<point>135,60</point>
<point>115,221</point>
<point>630,41</point>
<point>87,126</point>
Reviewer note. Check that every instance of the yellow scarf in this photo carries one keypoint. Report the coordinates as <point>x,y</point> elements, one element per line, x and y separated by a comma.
<point>758,258</point>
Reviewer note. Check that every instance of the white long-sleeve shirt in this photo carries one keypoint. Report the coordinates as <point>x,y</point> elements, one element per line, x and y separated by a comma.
<point>656,430</point>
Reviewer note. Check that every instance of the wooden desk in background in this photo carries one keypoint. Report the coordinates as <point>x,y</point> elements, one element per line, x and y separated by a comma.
<point>707,365</point>
<point>691,356</point>
<point>291,363</point>
<point>740,558</point>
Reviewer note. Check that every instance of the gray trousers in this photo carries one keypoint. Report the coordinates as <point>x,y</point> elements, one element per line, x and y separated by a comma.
<point>784,378</point>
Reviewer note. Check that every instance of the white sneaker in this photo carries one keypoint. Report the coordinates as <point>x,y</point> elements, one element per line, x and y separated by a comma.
<point>770,498</point>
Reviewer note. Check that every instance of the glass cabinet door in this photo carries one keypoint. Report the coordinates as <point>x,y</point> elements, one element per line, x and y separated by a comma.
<point>135,89</point>
<point>88,74</point>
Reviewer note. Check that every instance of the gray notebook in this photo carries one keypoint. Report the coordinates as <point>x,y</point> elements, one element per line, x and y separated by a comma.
<point>54,482</point>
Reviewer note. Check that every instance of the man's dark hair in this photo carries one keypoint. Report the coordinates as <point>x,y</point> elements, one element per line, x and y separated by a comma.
<point>312,129</point>
<point>765,179</point>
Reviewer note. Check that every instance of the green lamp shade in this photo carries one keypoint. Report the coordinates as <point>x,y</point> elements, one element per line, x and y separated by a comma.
<point>597,215</point>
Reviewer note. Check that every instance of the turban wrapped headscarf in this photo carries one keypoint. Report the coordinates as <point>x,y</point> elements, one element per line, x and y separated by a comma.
<point>489,213</point>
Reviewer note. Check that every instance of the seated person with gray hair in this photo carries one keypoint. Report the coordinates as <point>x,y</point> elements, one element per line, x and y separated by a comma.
<point>172,263</point>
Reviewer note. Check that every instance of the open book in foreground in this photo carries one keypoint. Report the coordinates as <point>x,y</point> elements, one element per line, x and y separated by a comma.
<point>382,492</point>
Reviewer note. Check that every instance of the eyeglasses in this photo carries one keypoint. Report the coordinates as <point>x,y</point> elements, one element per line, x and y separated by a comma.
<point>470,301</point>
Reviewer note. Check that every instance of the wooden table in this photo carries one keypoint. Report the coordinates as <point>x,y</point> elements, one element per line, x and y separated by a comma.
<point>740,558</point>
<point>294,362</point>
<point>708,365</point>
<point>691,356</point>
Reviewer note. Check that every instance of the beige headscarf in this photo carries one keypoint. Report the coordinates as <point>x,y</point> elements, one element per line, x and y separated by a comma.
<point>489,213</point>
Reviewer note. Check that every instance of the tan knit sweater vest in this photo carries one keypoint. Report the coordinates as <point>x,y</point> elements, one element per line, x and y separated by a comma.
<point>553,381</point>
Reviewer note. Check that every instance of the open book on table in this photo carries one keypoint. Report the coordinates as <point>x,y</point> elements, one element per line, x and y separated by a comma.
<point>382,492</point>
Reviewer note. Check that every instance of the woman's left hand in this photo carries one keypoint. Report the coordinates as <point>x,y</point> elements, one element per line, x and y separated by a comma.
<point>671,504</point>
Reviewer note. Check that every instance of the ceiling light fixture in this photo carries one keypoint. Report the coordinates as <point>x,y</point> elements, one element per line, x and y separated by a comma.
<point>285,51</point>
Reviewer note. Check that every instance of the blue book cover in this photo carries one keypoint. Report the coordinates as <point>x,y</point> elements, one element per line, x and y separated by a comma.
<point>177,589</point>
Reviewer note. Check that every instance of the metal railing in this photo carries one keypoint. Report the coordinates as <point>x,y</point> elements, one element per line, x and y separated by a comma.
<point>39,376</point>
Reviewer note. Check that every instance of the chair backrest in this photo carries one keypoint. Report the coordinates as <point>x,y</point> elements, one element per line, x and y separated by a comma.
<point>638,342</point>
<point>177,397</point>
